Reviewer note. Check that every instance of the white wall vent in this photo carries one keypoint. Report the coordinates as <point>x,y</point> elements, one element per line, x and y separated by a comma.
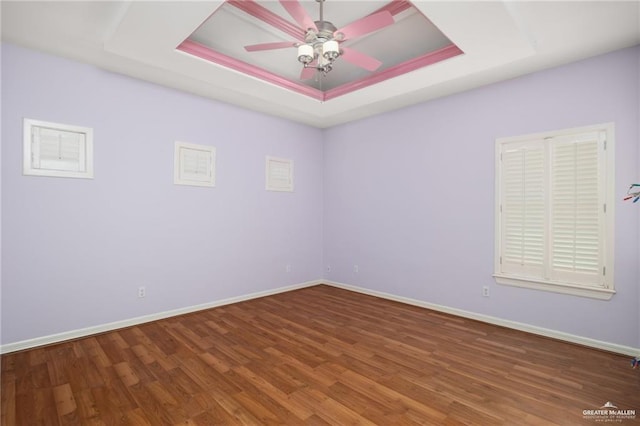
<point>194,165</point>
<point>58,150</point>
<point>279,174</point>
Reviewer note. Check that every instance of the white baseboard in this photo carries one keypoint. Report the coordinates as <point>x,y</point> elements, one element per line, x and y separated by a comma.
<point>75,334</point>
<point>585,341</point>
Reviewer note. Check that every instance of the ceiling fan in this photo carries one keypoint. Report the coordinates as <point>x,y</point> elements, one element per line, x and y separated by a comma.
<point>320,46</point>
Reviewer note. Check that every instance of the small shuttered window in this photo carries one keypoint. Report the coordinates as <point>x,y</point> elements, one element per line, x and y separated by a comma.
<point>194,165</point>
<point>554,217</point>
<point>58,150</point>
<point>279,174</point>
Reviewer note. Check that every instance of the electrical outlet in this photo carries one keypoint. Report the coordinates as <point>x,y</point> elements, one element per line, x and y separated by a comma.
<point>356,269</point>
<point>142,292</point>
<point>485,291</point>
<point>288,268</point>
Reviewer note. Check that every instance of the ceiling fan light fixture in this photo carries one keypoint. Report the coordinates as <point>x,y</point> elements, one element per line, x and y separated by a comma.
<point>305,53</point>
<point>320,46</point>
<point>330,49</point>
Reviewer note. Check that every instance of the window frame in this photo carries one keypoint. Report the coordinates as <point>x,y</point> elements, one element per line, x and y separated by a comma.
<point>606,184</point>
<point>179,174</point>
<point>273,185</point>
<point>28,167</point>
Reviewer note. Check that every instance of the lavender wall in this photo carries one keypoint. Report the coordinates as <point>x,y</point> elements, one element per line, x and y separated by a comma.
<point>409,196</point>
<point>75,251</point>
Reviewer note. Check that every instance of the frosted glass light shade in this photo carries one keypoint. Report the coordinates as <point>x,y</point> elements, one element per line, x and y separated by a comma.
<point>305,53</point>
<point>330,49</point>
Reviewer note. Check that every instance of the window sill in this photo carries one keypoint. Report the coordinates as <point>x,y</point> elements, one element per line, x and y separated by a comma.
<point>556,287</point>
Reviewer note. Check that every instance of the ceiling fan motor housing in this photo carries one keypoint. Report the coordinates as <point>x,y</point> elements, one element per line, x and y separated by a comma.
<point>325,33</point>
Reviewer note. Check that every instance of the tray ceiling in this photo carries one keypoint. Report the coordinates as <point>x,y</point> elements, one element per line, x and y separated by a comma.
<point>493,41</point>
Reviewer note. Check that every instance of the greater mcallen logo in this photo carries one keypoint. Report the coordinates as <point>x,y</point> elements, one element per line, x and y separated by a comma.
<point>609,413</point>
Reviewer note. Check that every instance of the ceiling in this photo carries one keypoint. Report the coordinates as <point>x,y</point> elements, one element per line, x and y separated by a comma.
<point>433,48</point>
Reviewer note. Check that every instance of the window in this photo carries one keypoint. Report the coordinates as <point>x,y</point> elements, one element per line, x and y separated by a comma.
<point>554,211</point>
<point>194,165</point>
<point>279,174</point>
<point>57,150</point>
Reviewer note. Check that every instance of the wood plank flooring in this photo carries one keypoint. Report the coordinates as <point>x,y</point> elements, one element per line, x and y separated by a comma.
<point>317,356</point>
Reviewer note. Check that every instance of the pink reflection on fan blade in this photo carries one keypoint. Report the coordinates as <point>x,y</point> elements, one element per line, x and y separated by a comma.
<point>308,73</point>
<point>360,59</point>
<point>298,13</point>
<point>366,25</point>
<point>269,46</point>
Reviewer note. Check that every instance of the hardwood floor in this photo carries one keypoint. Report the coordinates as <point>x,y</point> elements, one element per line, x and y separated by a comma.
<point>314,356</point>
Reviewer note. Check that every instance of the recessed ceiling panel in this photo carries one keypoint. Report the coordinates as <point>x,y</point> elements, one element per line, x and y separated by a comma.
<point>374,43</point>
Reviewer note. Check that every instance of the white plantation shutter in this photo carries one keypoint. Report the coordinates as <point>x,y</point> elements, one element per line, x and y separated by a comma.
<point>523,206</point>
<point>552,225</point>
<point>194,164</point>
<point>576,209</point>
<point>59,150</point>
<point>279,174</point>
